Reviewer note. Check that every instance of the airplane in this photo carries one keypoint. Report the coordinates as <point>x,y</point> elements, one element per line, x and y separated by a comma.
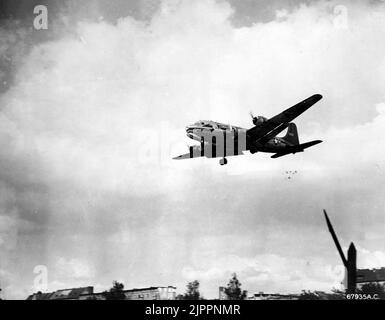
<point>222,140</point>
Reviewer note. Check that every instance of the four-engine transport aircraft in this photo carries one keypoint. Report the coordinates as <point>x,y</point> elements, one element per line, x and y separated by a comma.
<point>222,140</point>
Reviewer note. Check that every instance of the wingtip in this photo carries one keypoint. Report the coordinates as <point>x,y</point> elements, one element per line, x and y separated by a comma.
<point>317,96</point>
<point>313,99</point>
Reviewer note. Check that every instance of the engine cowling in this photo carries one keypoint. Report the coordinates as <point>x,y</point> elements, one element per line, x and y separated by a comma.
<point>259,120</point>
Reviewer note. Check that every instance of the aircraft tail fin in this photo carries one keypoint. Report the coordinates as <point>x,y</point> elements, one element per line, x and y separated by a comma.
<point>292,134</point>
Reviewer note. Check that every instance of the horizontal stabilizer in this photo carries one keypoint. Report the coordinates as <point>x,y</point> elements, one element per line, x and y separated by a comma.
<point>308,144</point>
<point>297,148</point>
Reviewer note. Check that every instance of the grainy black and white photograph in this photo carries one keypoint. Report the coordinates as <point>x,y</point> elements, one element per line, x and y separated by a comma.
<point>192,150</point>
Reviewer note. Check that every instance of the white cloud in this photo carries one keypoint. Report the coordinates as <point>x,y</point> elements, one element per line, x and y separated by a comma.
<point>73,269</point>
<point>367,259</point>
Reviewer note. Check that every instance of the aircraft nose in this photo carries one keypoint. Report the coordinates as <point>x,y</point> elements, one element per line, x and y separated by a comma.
<point>189,128</point>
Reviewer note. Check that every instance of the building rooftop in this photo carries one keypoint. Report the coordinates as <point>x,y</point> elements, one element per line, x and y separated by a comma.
<point>370,275</point>
<point>148,288</point>
<point>73,293</point>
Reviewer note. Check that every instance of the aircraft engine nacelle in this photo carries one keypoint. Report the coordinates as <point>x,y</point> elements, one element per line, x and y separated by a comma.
<point>258,120</point>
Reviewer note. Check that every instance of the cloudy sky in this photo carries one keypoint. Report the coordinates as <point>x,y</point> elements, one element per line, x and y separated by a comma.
<point>93,109</point>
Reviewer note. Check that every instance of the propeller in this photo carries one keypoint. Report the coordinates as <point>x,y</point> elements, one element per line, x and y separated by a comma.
<point>255,119</point>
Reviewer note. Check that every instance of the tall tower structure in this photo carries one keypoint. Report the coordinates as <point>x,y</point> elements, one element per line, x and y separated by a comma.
<point>350,263</point>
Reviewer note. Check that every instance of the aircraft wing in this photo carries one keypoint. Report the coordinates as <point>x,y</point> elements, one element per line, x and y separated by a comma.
<point>194,152</point>
<point>183,156</point>
<point>264,132</point>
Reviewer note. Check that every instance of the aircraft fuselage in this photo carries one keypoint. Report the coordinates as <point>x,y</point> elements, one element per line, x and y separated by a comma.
<point>204,130</point>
